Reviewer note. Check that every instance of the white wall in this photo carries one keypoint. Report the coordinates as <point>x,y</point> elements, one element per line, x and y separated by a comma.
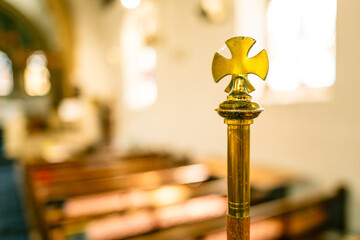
<point>183,118</point>
<point>96,32</point>
<point>318,140</point>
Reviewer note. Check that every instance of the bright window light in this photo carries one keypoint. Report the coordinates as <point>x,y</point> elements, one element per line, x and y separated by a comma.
<point>6,75</point>
<point>146,59</point>
<point>37,76</point>
<point>140,58</point>
<point>130,3</point>
<point>301,37</point>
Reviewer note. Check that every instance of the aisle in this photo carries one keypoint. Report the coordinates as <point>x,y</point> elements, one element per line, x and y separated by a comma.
<point>12,223</point>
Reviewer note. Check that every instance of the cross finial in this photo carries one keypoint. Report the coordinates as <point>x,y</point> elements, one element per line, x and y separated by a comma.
<point>240,65</point>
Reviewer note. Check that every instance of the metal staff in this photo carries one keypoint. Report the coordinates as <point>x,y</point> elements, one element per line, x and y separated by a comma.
<point>239,111</point>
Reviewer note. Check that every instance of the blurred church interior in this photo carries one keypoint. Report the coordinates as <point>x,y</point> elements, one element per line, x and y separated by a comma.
<point>108,128</point>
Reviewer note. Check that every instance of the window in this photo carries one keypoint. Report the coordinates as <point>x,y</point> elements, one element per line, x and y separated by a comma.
<point>36,75</point>
<point>6,75</point>
<point>299,36</point>
<point>301,44</point>
<point>140,57</point>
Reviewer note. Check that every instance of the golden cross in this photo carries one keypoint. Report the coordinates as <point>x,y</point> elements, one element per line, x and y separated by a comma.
<point>240,65</point>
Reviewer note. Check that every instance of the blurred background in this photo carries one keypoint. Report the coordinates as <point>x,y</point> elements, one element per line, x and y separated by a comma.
<point>108,128</point>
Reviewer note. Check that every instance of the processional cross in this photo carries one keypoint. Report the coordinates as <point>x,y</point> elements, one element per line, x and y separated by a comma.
<point>240,65</point>
<point>239,111</point>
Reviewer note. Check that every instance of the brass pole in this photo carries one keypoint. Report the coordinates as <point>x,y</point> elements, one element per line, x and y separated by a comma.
<point>238,170</point>
<point>238,121</point>
<point>238,217</point>
<point>238,112</point>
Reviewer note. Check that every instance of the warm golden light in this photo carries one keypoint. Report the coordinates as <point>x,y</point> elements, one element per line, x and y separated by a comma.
<point>70,110</point>
<point>169,195</point>
<point>37,76</point>
<point>120,226</point>
<point>193,210</point>
<point>191,174</point>
<point>93,205</point>
<point>104,203</point>
<point>54,152</point>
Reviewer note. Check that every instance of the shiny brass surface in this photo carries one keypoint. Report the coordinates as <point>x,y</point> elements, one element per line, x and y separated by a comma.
<point>238,112</point>
<point>240,65</point>
<point>238,170</point>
